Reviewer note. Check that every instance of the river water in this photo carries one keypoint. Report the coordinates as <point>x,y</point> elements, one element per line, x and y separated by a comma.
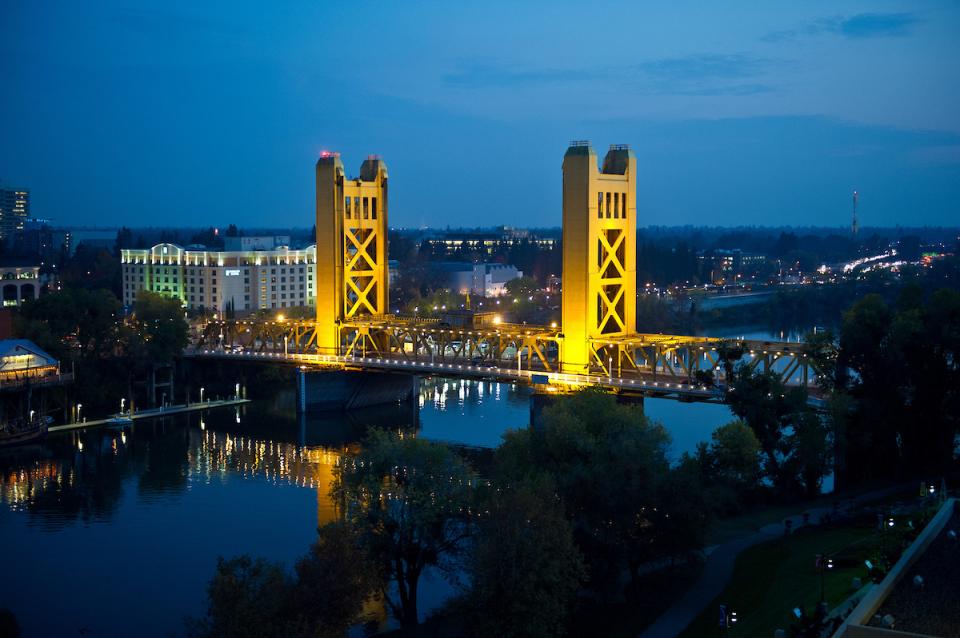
<point>111,532</point>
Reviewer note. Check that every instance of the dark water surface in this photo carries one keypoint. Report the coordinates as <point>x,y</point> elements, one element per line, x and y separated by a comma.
<point>116,533</point>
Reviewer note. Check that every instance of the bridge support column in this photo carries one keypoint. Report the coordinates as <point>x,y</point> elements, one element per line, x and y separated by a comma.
<point>599,252</point>
<point>322,390</point>
<point>352,271</point>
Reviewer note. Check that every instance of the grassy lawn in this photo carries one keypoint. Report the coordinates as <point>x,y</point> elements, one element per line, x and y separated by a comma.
<point>772,578</point>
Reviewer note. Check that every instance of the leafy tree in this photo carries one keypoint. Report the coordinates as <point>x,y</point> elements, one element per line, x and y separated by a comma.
<point>246,599</point>
<point>786,243</point>
<point>679,522</point>
<point>209,238</point>
<point>159,324</point>
<point>333,581</point>
<point>124,240</point>
<point>762,401</point>
<point>733,457</point>
<point>409,500</point>
<point>729,353</point>
<point>522,286</point>
<point>255,597</point>
<point>524,567</point>
<point>907,384</point>
<point>607,461</point>
<point>71,324</point>
<point>821,349</point>
<point>810,452</point>
<point>92,268</point>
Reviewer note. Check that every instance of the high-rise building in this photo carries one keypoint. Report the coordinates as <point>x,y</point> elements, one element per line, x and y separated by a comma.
<point>14,210</point>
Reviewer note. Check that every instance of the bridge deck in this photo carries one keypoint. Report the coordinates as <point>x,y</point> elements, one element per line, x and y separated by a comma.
<point>677,366</point>
<point>645,384</point>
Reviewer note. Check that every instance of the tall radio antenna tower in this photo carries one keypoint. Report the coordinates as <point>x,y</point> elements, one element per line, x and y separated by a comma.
<point>854,226</point>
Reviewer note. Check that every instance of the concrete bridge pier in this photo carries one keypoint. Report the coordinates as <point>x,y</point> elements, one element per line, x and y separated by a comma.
<point>337,390</point>
<point>541,400</point>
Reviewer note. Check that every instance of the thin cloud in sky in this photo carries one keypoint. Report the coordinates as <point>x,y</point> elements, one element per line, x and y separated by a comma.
<point>863,25</point>
<point>475,76</point>
<point>878,25</point>
<point>704,66</point>
<point>700,74</point>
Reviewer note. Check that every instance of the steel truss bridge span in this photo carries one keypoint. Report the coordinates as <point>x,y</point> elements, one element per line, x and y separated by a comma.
<point>655,364</point>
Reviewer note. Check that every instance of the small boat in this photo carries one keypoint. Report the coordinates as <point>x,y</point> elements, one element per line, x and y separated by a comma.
<point>120,419</point>
<point>22,431</point>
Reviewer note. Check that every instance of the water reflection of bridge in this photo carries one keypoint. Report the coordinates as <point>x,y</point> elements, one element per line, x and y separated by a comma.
<point>218,454</point>
<point>79,474</point>
<point>101,475</point>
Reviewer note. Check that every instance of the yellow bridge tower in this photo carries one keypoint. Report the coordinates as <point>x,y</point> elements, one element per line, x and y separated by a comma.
<point>351,246</point>
<point>599,252</point>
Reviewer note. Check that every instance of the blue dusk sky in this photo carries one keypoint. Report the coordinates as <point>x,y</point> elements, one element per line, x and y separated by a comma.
<point>210,113</point>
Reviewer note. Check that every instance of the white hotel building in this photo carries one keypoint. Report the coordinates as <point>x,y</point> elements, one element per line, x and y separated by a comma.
<point>217,280</point>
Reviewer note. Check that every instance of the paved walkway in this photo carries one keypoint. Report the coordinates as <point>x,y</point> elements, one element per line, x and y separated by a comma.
<point>719,568</point>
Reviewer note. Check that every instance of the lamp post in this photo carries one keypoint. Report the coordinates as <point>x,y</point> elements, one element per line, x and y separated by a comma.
<point>236,394</point>
<point>79,407</point>
<point>123,401</point>
<point>201,395</point>
<point>825,564</point>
